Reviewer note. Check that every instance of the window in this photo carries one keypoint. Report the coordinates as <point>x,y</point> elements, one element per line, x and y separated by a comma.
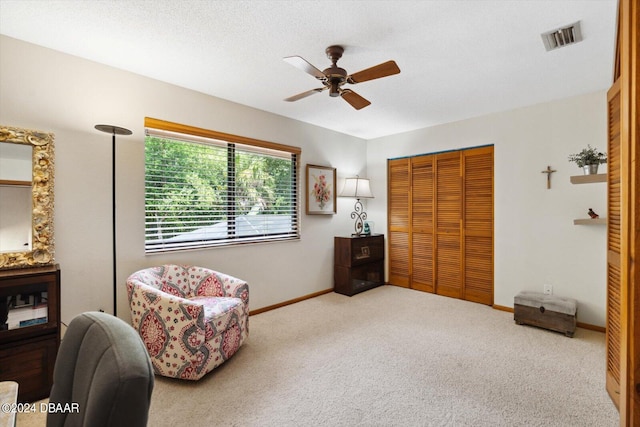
<point>205,188</point>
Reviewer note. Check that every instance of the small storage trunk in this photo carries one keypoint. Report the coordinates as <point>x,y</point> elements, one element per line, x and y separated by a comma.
<point>546,311</point>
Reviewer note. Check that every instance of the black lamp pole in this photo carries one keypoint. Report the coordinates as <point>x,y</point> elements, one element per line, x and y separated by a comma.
<point>113,130</point>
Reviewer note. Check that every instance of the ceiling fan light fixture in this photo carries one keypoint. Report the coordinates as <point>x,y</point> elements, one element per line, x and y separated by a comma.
<point>334,90</point>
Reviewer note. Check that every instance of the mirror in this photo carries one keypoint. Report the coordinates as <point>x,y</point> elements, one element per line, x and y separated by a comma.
<point>26,198</point>
<point>15,197</point>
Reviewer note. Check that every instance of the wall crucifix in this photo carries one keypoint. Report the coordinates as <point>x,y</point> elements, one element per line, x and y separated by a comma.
<point>549,171</point>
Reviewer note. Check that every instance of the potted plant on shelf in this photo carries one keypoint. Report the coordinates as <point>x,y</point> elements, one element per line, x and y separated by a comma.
<point>588,159</point>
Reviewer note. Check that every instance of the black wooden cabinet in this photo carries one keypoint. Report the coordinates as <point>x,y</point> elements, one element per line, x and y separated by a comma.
<point>29,329</point>
<point>358,263</point>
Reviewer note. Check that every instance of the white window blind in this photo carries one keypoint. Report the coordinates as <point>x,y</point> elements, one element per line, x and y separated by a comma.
<point>204,188</point>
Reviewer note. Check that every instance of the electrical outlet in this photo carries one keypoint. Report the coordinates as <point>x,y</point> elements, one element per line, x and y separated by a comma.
<point>548,290</point>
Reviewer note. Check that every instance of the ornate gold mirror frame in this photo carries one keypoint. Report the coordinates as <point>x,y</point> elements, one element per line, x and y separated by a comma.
<point>41,252</point>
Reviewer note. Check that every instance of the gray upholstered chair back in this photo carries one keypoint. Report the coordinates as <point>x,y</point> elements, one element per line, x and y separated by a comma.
<point>103,367</point>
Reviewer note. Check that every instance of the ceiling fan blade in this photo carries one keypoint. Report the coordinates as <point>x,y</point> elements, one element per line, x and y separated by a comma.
<point>305,94</point>
<point>381,70</point>
<point>302,64</point>
<point>354,99</point>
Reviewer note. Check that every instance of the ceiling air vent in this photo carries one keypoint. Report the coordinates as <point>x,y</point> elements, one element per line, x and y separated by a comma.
<point>561,37</point>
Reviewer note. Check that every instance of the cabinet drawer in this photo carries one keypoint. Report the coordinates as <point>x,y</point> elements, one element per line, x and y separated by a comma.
<point>358,250</point>
<point>367,250</point>
<point>31,365</point>
<point>352,280</point>
<point>368,274</point>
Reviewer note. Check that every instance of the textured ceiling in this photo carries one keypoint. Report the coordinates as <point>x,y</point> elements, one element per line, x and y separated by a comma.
<point>458,59</point>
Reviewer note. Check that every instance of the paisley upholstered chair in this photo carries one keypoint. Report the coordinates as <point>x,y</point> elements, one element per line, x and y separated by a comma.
<point>191,319</point>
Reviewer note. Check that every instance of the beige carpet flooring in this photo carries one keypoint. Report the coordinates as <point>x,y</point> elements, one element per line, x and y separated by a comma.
<point>393,357</point>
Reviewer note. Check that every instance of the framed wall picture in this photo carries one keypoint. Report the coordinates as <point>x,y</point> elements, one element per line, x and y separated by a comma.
<point>321,190</point>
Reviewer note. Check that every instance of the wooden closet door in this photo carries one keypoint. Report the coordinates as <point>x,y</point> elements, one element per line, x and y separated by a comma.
<point>478,225</point>
<point>623,233</point>
<point>448,216</point>
<point>399,180</point>
<point>613,332</point>
<point>422,253</point>
<point>441,223</point>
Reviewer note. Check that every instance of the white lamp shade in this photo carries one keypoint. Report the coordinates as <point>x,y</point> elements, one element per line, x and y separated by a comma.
<point>356,187</point>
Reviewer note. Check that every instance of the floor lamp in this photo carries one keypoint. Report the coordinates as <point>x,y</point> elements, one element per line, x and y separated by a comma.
<point>113,130</point>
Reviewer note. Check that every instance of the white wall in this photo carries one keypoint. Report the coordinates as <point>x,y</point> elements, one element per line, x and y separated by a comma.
<point>46,90</point>
<point>536,242</point>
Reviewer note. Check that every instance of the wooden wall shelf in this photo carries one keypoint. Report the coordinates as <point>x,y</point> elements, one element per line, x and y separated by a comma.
<point>590,221</point>
<point>588,179</point>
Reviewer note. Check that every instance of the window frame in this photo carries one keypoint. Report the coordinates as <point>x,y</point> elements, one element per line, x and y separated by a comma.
<point>169,130</point>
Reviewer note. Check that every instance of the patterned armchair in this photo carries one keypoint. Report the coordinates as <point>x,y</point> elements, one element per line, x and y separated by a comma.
<point>191,319</point>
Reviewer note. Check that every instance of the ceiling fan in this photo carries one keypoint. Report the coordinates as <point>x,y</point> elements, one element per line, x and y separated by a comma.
<point>334,77</point>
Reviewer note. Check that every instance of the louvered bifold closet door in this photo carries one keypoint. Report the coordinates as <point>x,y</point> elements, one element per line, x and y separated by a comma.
<point>399,180</point>
<point>448,216</point>
<point>422,260</point>
<point>613,329</point>
<point>441,223</point>
<point>478,225</point>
